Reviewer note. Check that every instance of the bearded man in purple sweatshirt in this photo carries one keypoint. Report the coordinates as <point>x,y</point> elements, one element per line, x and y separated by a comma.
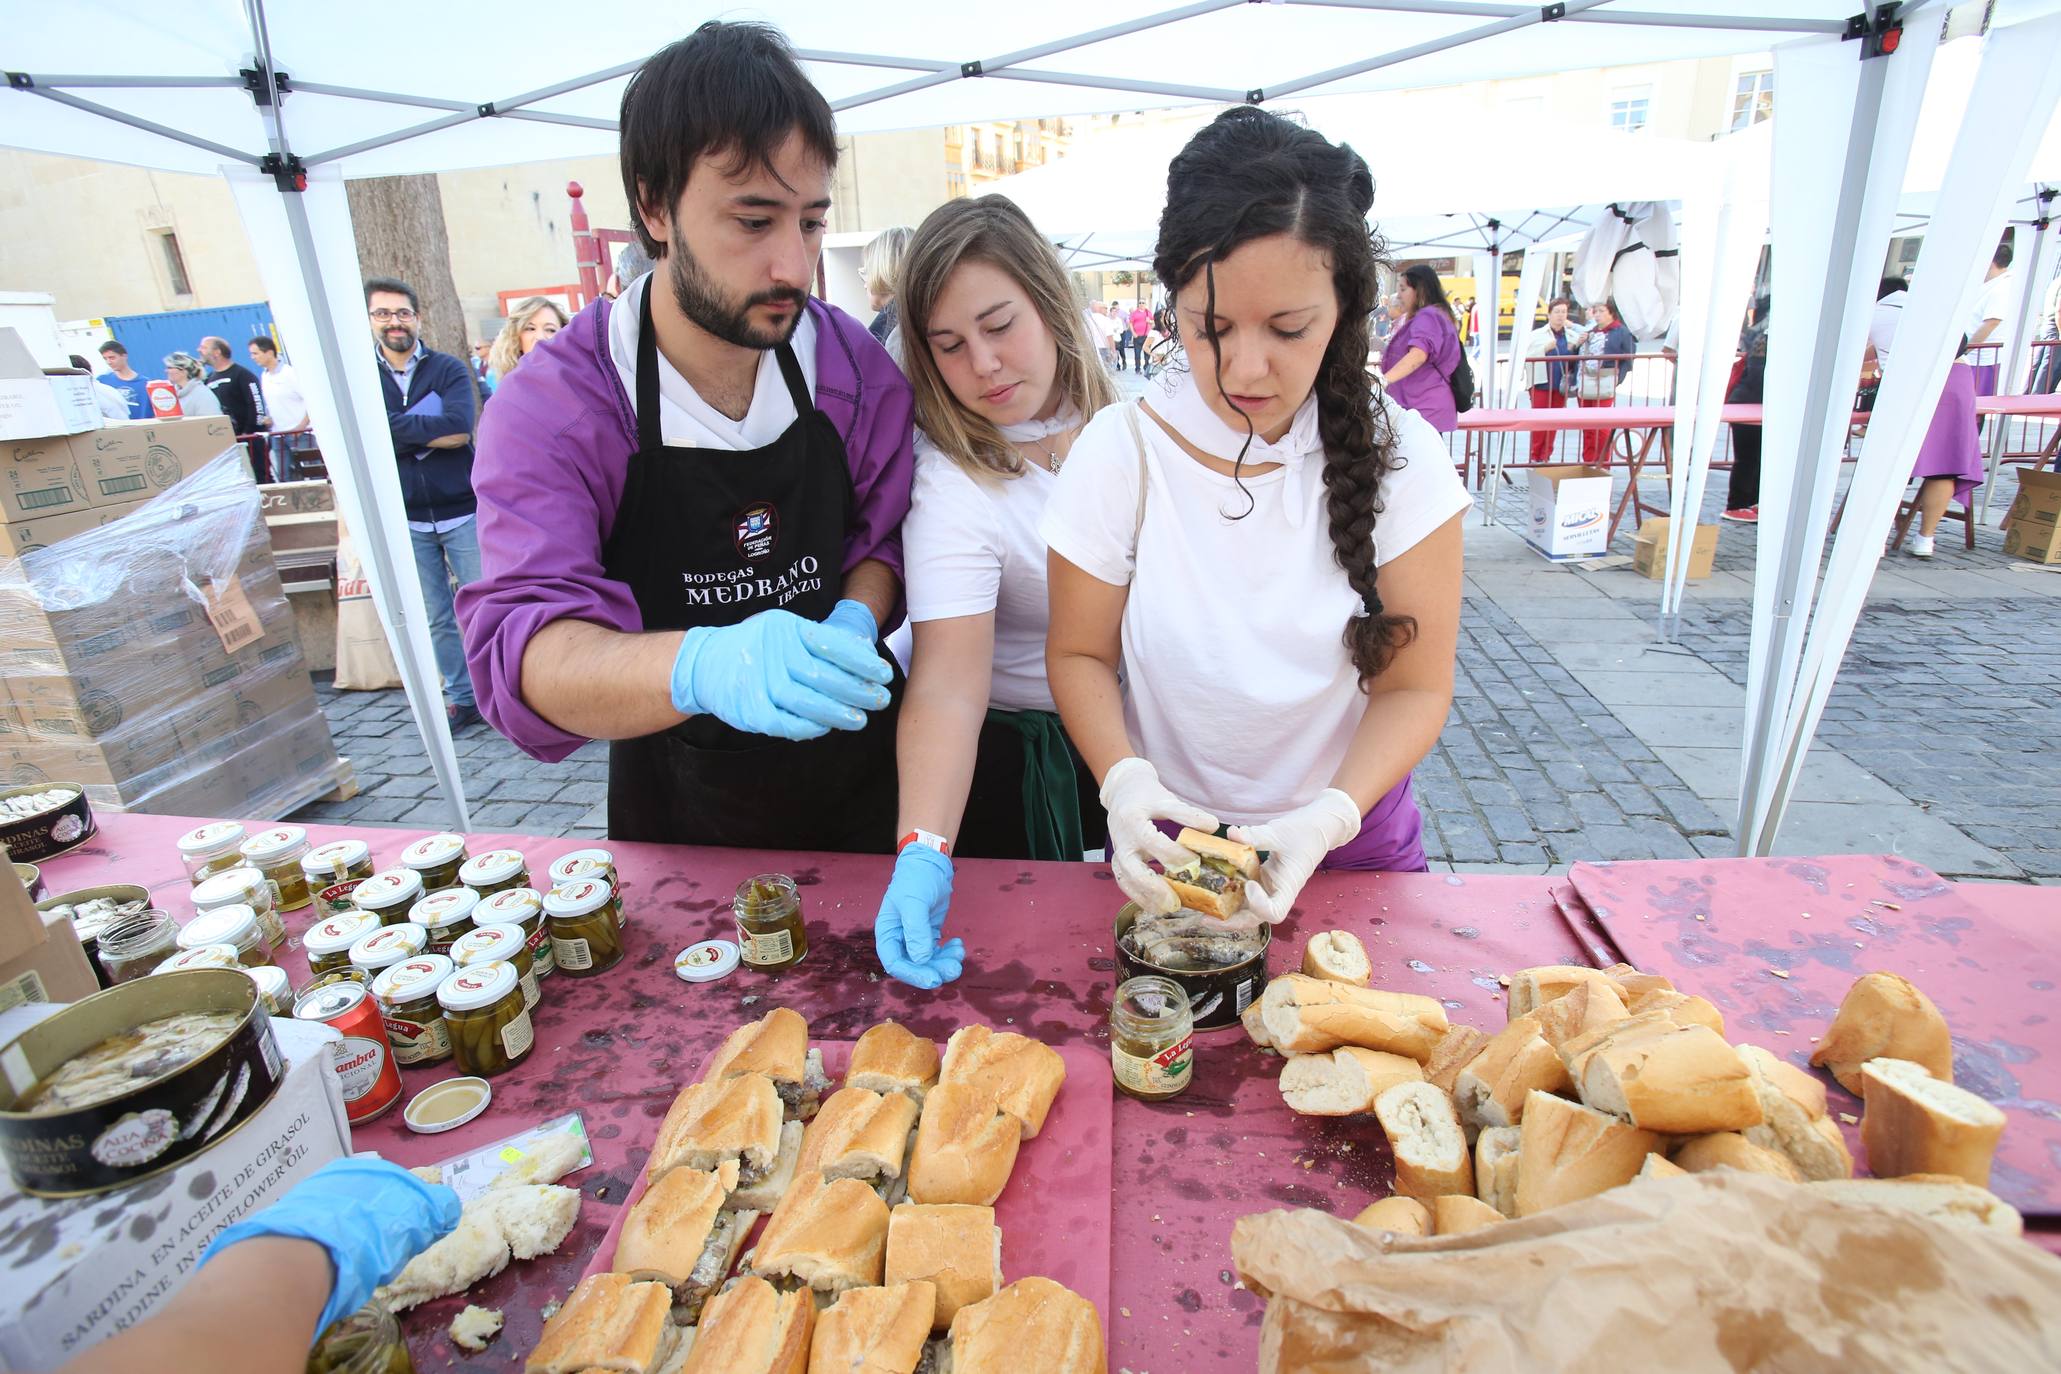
<point>690,499</point>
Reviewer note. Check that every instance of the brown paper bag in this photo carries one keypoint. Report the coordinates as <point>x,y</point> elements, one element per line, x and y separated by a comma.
<point>364,662</point>
<point>1720,1272</point>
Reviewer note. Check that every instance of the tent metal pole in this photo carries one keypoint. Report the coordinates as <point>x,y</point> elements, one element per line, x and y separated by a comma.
<point>366,145</point>
<point>1416,50</point>
<point>2016,349</point>
<point>427,102</point>
<point>1479,9</point>
<point>1222,95</point>
<point>135,83</point>
<point>147,126</point>
<point>607,126</point>
<point>830,57</point>
<point>578,83</point>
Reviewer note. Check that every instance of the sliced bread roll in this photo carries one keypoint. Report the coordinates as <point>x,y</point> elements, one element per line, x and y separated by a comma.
<point>1345,1081</point>
<point>1884,1016</point>
<point>1915,1124</point>
<point>1256,1026</point>
<point>1021,1075</point>
<point>1517,1061</point>
<point>1575,1053</point>
<point>1454,1214</point>
<point>1583,1008</point>
<point>1307,1015</point>
<point>1659,1166</point>
<point>1675,1006</point>
<point>1339,956</point>
<point>1495,1168</point>
<point>1939,1196</point>
<point>1730,1150</point>
<point>1793,1117</point>
<point>1455,1051</point>
<point>1424,1134</point>
<point>1684,1080</point>
<point>1629,982</point>
<point>1568,1151</point>
<point>1403,1215</point>
<point>1534,987</point>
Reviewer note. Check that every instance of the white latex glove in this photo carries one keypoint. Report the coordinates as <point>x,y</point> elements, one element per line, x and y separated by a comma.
<point>1295,844</point>
<point>1134,798</point>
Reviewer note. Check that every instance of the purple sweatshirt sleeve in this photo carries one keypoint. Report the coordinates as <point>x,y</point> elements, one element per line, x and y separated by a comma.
<point>883,472</point>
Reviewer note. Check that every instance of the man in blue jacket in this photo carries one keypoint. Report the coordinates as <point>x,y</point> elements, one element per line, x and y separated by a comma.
<point>430,407</point>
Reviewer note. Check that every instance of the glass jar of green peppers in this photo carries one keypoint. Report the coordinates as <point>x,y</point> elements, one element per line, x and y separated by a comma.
<point>484,1012</point>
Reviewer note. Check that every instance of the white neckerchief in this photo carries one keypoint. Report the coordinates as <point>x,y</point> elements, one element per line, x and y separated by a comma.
<point>1068,416</point>
<point>1181,405</point>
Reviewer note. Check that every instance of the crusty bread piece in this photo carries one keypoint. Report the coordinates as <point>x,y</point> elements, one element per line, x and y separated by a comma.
<point>1731,1150</point>
<point>859,1134</point>
<point>1582,1008</point>
<point>1339,956</point>
<point>965,1148</point>
<point>1424,1134</point>
<point>1680,1007</point>
<point>1793,1118</point>
<point>717,1119</point>
<point>545,1160</point>
<point>1913,1123</point>
<point>1242,857</point>
<point>663,1236</point>
<point>1454,1214</point>
<point>1256,1027</point>
<point>753,1328</point>
<point>1403,1215</point>
<point>1939,1196</point>
<point>611,1322</point>
<point>1660,1166</point>
<point>874,1329</point>
<point>1033,1324</point>
<point>1496,1158</point>
<point>1684,1080</point>
<point>472,1328</point>
<point>1454,1051</point>
<point>829,1234</point>
<point>498,1225</point>
<point>1345,1081</point>
<point>776,1045</point>
<point>1575,1052</point>
<point>1531,988</point>
<point>955,1248</point>
<point>1884,1016</point>
<point>765,1194</point>
<point>1568,1151</point>
<point>1491,1091</point>
<point>1307,1015</point>
<point>892,1058</point>
<point>1021,1076</point>
<point>1629,982</point>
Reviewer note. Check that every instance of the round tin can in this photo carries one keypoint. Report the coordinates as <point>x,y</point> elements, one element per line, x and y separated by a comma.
<point>1217,995</point>
<point>363,1059</point>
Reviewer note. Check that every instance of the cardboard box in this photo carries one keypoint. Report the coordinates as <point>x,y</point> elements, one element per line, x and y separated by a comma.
<point>39,478</point>
<point>35,403</point>
<point>2032,531</point>
<point>296,498</point>
<point>52,970</point>
<point>28,536</point>
<point>1570,511</point>
<point>21,929</point>
<point>85,1268</point>
<point>1649,549</point>
<point>135,460</point>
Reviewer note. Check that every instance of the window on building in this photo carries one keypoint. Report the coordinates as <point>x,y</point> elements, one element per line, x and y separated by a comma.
<point>1753,98</point>
<point>175,263</point>
<point>1628,108</point>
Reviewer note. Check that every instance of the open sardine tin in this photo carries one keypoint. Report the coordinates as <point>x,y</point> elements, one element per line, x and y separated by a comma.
<point>1222,973</point>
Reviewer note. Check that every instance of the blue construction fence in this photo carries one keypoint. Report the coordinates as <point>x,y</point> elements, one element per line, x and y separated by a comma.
<point>150,338</point>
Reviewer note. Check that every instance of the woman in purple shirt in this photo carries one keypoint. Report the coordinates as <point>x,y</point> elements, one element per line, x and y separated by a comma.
<point>1417,365</point>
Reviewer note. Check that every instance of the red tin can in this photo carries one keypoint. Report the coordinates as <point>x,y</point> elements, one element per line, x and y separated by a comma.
<point>363,1059</point>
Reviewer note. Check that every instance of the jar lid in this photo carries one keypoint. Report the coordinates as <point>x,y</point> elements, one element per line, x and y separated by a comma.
<point>387,889</point>
<point>494,866</point>
<point>235,885</point>
<point>338,933</point>
<point>481,985</point>
<point>495,940</point>
<point>412,979</point>
<point>336,856</point>
<point>199,956</point>
<point>206,841</point>
<point>447,1104</point>
<point>235,925</point>
<point>581,863</point>
<point>511,904</point>
<point>389,945</point>
<point>577,898</point>
<point>446,906</point>
<point>274,845</point>
<point>327,1001</point>
<point>706,962</point>
<point>273,984</point>
<point>433,851</point>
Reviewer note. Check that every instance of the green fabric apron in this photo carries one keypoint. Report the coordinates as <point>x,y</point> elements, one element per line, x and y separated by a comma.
<point>1051,799</point>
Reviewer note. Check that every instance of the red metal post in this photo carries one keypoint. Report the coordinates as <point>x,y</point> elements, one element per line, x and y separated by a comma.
<point>586,250</point>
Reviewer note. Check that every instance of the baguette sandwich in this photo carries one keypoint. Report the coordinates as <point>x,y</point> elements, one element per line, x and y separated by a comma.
<point>738,1119</point>
<point>1305,1015</point>
<point>877,1331</point>
<point>827,1235</point>
<point>965,1147</point>
<point>1913,1123</point>
<point>753,1328</point>
<point>862,1135</point>
<point>1021,1076</point>
<point>956,1249</point>
<point>1214,883</point>
<point>680,1234</point>
<point>1033,1324</point>
<point>1344,1082</point>
<point>889,1058</point>
<point>1884,1016</point>
<point>776,1045</point>
<point>611,1322</point>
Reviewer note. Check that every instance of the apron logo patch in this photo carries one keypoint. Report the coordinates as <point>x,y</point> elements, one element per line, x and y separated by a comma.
<point>757,529</point>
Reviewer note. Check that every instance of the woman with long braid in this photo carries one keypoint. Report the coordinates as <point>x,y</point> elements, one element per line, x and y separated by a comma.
<point>1273,678</point>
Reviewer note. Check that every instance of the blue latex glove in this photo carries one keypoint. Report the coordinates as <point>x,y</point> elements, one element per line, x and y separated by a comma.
<point>371,1216</point>
<point>778,674</point>
<point>855,618</point>
<point>911,916</point>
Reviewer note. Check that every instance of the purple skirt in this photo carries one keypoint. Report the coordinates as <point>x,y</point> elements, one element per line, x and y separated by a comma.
<point>1952,446</point>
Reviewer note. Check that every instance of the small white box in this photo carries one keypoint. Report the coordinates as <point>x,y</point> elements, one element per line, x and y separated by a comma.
<point>1570,511</point>
<point>35,404</point>
<point>81,1269</point>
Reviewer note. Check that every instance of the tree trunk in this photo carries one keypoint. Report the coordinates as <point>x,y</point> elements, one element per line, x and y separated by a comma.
<point>399,225</point>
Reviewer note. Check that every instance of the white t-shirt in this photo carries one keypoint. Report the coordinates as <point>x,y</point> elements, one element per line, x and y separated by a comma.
<point>683,417</point>
<point>1998,300</point>
<point>1889,313</point>
<point>283,399</point>
<point>971,545</point>
<point>1238,688</point>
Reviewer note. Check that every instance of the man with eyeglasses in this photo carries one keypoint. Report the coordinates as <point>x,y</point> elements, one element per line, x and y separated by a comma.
<point>430,409</point>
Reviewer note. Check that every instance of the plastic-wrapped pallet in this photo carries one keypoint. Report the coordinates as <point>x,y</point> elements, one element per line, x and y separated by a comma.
<point>153,660</point>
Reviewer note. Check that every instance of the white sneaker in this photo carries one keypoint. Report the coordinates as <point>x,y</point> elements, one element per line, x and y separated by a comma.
<point>1921,546</point>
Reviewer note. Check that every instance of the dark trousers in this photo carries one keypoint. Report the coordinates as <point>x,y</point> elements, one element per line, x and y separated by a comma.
<point>992,827</point>
<point>1744,490</point>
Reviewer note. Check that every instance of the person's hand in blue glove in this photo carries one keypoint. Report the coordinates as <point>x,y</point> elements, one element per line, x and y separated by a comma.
<point>371,1216</point>
<point>912,914</point>
<point>778,674</point>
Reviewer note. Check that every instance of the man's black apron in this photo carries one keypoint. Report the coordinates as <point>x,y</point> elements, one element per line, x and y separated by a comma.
<point>713,537</point>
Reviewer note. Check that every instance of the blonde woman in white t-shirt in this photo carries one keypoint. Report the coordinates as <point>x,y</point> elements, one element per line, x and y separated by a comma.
<point>1269,549</point>
<point>1004,374</point>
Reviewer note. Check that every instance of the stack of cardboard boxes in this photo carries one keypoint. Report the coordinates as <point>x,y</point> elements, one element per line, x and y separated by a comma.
<point>147,651</point>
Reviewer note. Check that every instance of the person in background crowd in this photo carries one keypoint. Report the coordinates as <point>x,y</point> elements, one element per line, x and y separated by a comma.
<point>691,501</point>
<point>1552,379</point>
<point>1949,464</point>
<point>1749,380</point>
<point>1004,376</point>
<point>1418,363</point>
<point>1103,330</point>
<point>184,371</point>
<point>430,409</point>
<point>1120,333</point>
<point>113,404</point>
<point>236,387</point>
<point>881,267</point>
<point>126,379</point>
<point>528,325</point>
<point>1141,331</point>
<point>2046,359</point>
<point>1995,308</point>
<point>286,409</point>
<point>482,370</point>
<point>1606,361</point>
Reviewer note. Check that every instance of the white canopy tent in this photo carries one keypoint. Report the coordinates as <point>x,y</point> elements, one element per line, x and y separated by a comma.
<point>288,101</point>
